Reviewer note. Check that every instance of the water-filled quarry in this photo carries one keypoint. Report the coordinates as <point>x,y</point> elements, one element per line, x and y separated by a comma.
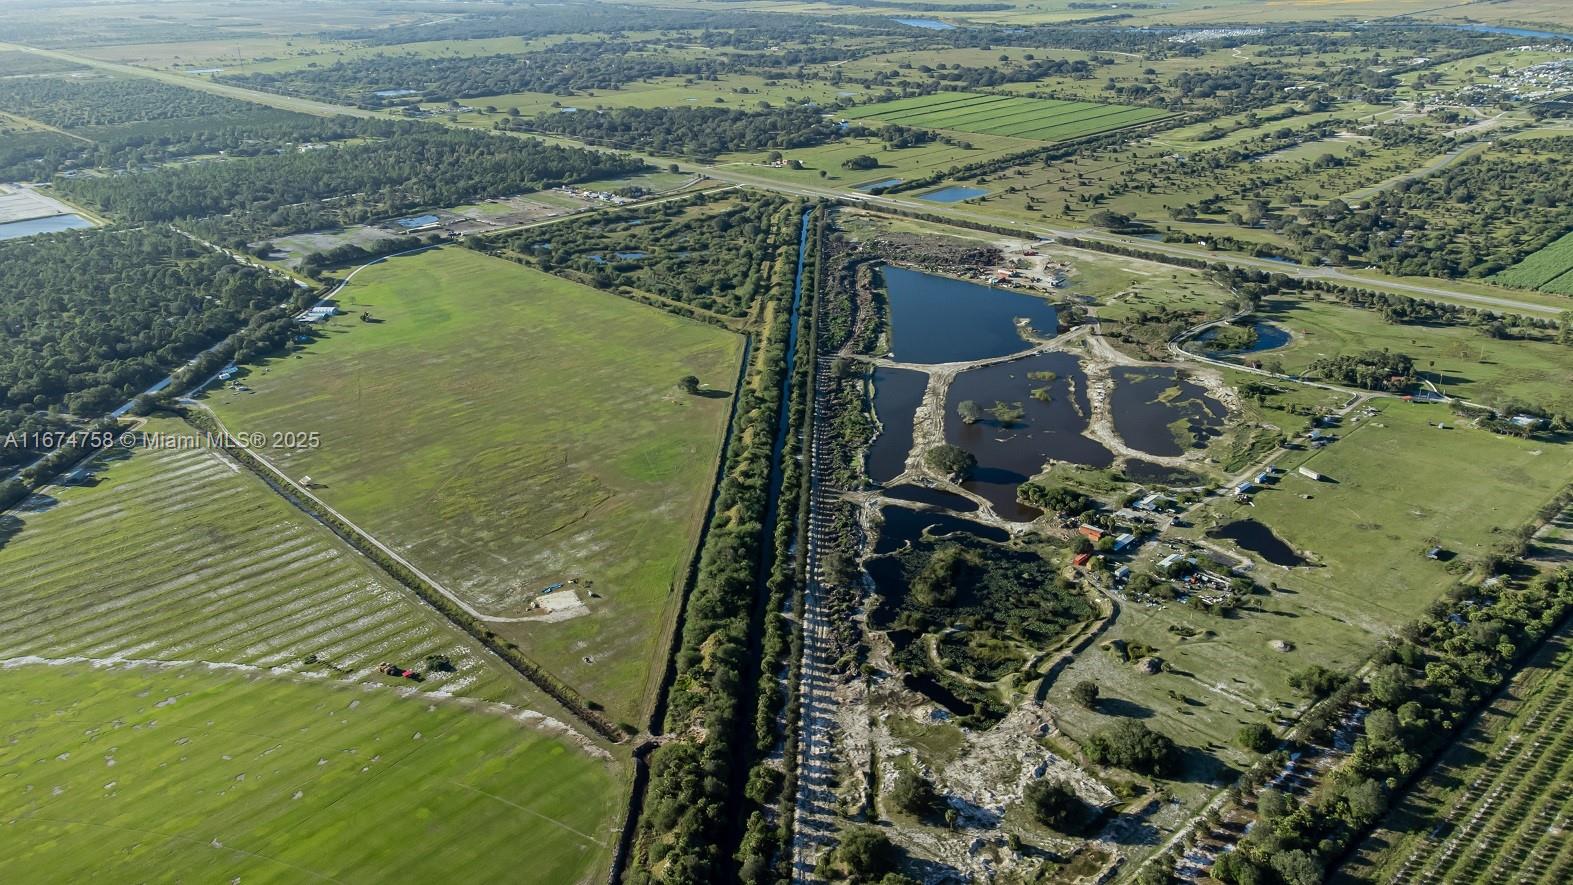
<point>936,319</point>
<point>1032,410</point>
<point>1259,539</point>
<point>897,395</point>
<point>1157,411</point>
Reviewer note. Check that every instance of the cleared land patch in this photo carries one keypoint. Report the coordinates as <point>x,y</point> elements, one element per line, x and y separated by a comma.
<point>1031,118</point>
<point>191,774</point>
<point>507,430</point>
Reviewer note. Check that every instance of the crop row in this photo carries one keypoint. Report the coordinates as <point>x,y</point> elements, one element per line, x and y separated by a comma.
<point>1550,269</point>
<point>178,555</point>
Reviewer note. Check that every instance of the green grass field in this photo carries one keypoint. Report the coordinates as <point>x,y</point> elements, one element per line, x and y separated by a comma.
<point>1462,361</point>
<point>1397,485</point>
<point>507,430</point>
<point>183,555</point>
<point>190,774</point>
<point>904,163</point>
<point>1031,118</point>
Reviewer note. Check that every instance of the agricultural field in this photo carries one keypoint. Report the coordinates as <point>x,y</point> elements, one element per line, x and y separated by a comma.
<point>1495,806</point>
<point>198,773</point>
<point>1035,119</point>
<point>827,163</point>
<point>507,430</point>
<point>180,555</point>
<point>1548,270</point>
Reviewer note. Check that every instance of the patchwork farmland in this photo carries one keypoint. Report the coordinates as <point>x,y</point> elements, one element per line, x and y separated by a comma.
<point>1037,119</point>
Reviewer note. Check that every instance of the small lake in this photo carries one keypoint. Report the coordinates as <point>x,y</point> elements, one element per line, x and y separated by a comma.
<point>931,24</point>
<point>1153,407</point>
<point>1149,473</point>
<point>897,394</point>
<point>937,319</point>
<point>1259,539</point>
<point>876,185</point>
<point>1269,336</point>
<point>933,497</point>
<point>904,525</point>
<point>953,194</point>
<point>1053,410</point>
<point>33,226</point>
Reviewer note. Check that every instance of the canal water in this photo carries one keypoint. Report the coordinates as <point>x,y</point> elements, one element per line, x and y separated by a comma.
<point>904,525</point>
<point>933,497</point>
<point>937,319</point>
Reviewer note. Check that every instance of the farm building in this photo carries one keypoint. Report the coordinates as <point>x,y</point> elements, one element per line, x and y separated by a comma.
<point>316,314</point>
<point>1092,532</point>
<point>1126,539</point>
<point>1122,573</point>
<point>1310,474</point>
<point>1082,558</point>
<point>1154,501</point>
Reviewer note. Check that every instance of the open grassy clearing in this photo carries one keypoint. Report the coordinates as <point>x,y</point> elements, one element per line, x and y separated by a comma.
<point>1396,486</point>
<point>1497,803</point>
<point>507,430</point>
<point>1462,361</point>
<point>192,774</point>
<point>182,555</point>
<point>1037,119</point>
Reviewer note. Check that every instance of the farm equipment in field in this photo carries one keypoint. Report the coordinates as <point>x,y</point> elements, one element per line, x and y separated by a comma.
<point>388,669</point>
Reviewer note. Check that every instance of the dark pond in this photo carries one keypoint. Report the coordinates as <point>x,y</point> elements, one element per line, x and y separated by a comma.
<point>1151,405</point>
<point>940,320</point>
<point>903,524</point>
<point>1053,416</point>
<point>1269,336</point>
<point>1259,539</point>
<point>1137,470</point>
<point>930,688</point>
<point>936,497</point>
<point>897,394</point>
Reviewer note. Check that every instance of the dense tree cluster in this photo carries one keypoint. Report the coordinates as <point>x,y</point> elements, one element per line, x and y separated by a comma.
<point>1370,369</point>
<point>1132,745</point>
<point>685,819</point>
<point>692,131</point>
<point>561,70</point>
<point>421,166</point>
<point>92,318</point>
<point>1473,219</point>
<point>76,102</point>
<point>711,256</point>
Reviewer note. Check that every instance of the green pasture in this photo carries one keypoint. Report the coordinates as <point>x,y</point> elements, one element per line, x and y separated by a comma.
<point>1461,360</point>
<point>507,430</point>
<point>192,774</point>
<point>735,91</point>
